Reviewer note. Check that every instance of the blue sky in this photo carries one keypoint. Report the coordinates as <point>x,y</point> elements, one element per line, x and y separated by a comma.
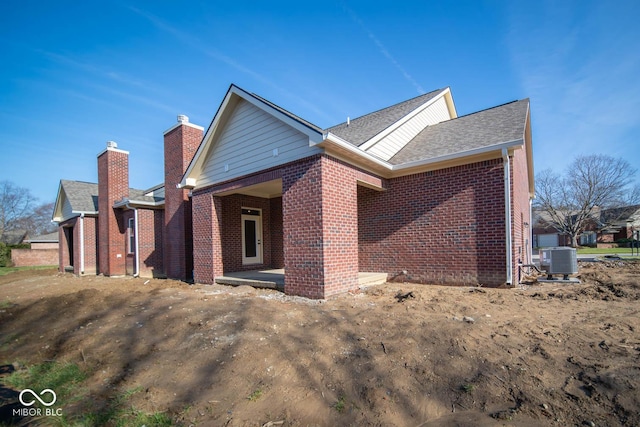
<point>77,74</point>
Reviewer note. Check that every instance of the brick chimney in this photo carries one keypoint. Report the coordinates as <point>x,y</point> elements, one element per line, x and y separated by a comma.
<point>113,185</point>
<point>180,144</point>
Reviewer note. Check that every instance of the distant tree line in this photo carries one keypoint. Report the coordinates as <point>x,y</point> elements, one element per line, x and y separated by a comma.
<point>20,213</point>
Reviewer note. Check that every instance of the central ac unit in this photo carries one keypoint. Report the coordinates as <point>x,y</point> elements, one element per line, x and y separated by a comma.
<point>559,261</point>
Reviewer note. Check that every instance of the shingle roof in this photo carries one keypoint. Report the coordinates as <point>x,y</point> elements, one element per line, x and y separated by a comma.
<point>50,237</point>
<point>361,129</point>
<point>493,126</point>
<point>83,196</point>
<point>139,196</point>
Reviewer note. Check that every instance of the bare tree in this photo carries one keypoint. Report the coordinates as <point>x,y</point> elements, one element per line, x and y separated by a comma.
<point>19,210</point>
<point>590,185</point>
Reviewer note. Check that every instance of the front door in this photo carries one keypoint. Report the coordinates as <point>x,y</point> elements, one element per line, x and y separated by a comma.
<point>251,236</point>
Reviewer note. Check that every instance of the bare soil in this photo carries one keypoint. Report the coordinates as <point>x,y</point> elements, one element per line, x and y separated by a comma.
<point>541,354</point>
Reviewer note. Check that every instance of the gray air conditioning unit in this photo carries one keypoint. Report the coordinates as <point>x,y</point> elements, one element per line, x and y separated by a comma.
<point>559,261</point>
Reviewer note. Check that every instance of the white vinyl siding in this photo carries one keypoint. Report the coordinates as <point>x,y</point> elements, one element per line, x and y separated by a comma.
<point>67,210</point>
<point>247,142</point>
<point>389,146</point>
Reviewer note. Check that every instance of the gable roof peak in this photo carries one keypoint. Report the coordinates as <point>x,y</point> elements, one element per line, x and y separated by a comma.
<point>361,129</point>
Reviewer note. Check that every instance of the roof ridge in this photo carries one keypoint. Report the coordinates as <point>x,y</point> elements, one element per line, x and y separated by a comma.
<point>78,181</point>
<point>486,109</point>
<point>271,104</point>
<point>406,101</point>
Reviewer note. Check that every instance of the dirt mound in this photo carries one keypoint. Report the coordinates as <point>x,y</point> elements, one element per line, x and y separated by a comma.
<point>395,354</point>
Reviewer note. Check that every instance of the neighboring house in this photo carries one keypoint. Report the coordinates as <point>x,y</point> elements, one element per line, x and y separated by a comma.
<point>545,235</point>
<point>44,241</point>
<point>606,227</point>
<point>611,225</point>
<point>43,251</point>
<point>411,190</point>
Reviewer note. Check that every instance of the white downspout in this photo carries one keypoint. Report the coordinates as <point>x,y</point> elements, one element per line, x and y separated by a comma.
<point>507,212</point>
<point>136,255</point>
<point>136,237</point>
<point>82,243</point>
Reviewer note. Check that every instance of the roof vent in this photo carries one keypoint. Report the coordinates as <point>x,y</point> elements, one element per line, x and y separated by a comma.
<point>348,121</point>
<point>183,119</point>
<point>112,144</point>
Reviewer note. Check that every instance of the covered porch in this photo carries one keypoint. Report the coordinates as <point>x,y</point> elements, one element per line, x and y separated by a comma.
<point>274,278</point>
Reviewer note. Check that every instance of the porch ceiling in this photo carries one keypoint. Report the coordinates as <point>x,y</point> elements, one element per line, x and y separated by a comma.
<point>267,190</point>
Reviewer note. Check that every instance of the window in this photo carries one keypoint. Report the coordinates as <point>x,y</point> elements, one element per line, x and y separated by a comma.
<point>132,236</point>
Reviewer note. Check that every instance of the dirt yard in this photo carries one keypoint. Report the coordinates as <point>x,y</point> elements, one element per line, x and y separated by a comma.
<point>544,354</point>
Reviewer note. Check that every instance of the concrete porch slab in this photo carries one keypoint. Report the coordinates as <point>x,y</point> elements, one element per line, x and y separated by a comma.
<point>274,279</point>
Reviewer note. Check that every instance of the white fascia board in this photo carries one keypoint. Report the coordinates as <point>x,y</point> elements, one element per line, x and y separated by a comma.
<point>380,136</point>
<point>57,208</point>
<point>189,181</point>
<point>474,152</point>
<point>334,139</point>
<point>60,219</point>
<point>126,202</point>
<point>313,134</point>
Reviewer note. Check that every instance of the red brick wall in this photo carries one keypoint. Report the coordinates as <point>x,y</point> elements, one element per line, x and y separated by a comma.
<point>277,242</point>
<point>113,185</point>
<point>44,245</point>
<point>232,231</point>
<point>150,242</point>
<point>33,257</point>
<point>90,245</point>
<point>520,211</point>
<point>442,227</point>
<point>207,241</point>
<point>320,227</point>
<point>64,258</point>
<point>180,145</point>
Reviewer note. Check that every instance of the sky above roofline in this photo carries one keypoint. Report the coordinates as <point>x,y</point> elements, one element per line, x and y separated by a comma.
<point>82,73</point>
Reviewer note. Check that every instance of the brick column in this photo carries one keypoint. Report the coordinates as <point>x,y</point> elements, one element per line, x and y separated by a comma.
<point>180,145</point>
<point>113,185</point>
<point>320,222</point>
<point>207,241</point>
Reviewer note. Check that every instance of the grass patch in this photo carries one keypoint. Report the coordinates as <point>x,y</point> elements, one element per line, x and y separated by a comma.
<point>119,413</point>
<point>255,395</point>
<point>63,378</point>
<point>467,388</point>
<point>340,404</point>
<point>588,251</point>
<point>5,304</point>
<point>66,380</point>
<point>6,270</point>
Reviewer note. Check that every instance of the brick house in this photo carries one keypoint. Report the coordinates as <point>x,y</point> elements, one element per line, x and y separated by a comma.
<point>603,230</point>
<point>411,190</point>
<point>141,232</point>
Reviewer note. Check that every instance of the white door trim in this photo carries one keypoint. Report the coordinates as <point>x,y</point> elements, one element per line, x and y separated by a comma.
<point>252,254</point>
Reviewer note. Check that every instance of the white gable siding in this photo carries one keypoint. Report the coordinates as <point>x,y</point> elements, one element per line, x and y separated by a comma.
<point>67,211</point>
<point>247,142</point>
<point>388,146</point>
